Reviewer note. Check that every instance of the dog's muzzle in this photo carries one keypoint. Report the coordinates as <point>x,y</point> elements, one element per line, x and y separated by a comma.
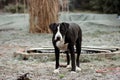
<point>58,38</point>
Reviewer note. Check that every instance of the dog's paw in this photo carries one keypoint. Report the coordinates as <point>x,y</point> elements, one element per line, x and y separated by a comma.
<point>72,72</point>
<point>68,66</point>
<point>78,69</point>
<point>56,71</point>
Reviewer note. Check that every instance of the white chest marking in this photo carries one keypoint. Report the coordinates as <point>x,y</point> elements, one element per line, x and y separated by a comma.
<point>61,45</point>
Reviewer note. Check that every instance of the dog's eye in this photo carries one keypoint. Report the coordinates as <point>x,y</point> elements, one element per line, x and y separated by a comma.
<point>61,30</point>
<point>54,30</point>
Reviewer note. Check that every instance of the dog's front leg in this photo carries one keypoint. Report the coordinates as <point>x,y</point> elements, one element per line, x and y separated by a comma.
<point>68,59</point>
<point>57,51</point>
<point>71,49</point>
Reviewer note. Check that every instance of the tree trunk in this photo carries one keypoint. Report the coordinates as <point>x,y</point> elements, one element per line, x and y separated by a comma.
<point>42,13</point>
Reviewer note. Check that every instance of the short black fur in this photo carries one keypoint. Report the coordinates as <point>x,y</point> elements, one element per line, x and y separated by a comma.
<point>73,36</point>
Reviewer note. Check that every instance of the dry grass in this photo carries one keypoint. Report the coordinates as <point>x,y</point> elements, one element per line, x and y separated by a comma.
<point>42,13</point>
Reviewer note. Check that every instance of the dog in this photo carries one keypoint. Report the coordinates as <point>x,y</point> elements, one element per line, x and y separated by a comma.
<point>65,37</point>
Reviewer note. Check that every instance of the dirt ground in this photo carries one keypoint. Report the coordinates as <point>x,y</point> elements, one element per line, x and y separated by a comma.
<point>14,37</point>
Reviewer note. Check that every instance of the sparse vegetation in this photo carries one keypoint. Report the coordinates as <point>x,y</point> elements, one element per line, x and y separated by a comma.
<point>97,33</point>
<point>115,57</point>
<point>99,59</point>
<point>61,76</point>
<point>14,9</point>
<point>85,59</point>
<point>101,6</point>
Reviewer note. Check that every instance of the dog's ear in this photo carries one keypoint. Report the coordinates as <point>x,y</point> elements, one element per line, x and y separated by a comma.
<point>66,25</point>
<point>53,27</point>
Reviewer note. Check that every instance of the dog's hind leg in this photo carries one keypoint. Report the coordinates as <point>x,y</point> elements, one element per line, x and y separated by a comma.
<point>71,49</point>
<point>78,50</point>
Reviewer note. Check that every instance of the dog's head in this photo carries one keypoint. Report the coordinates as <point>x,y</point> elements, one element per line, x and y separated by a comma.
<point>59,30</point>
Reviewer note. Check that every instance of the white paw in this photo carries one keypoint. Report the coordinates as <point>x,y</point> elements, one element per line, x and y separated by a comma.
<point>68,66</point>
<point>73,72</point>
<point>78,69</point>
<point>56,71</point>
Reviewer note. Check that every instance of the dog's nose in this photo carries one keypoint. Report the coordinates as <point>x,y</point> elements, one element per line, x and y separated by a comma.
<point>58,38</point>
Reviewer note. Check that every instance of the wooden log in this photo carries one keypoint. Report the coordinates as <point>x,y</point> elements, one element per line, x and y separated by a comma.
<point>87,49</point>
<point>51,57</point>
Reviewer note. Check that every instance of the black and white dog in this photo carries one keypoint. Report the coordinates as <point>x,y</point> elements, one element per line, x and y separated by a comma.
<point>65,37</point>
